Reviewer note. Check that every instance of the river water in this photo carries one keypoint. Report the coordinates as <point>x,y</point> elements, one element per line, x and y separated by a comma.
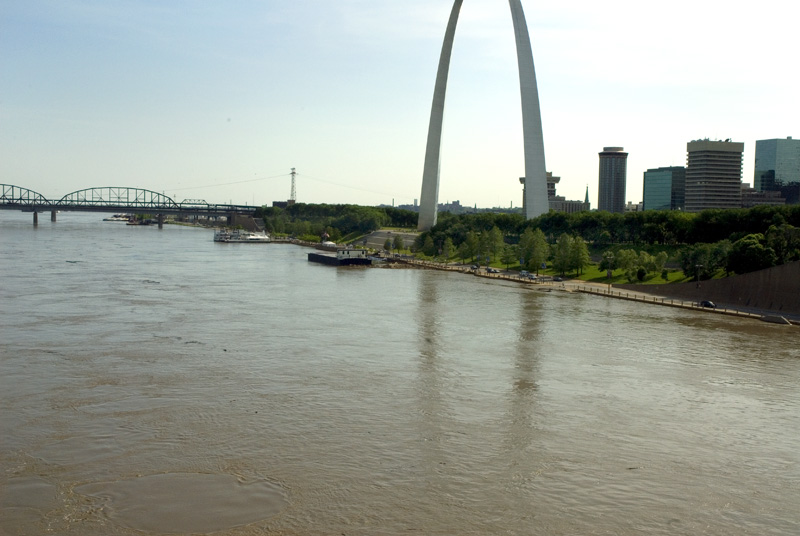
<point>155,382</point>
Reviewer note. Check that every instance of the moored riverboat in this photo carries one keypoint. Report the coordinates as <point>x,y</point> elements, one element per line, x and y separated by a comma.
<point>119,217</point>
<point>241,237</point>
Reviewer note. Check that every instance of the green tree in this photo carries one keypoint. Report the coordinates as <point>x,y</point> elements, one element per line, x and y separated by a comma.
<point>491,243</point>
<point>720,255</point>
<point>749,254</point>
<point>464,252</point>
<point>334,235</point>
<point>496,242</point>
<point>509,255</point>
<point>428,246</point>
<point>472,244</point>
<point>661,261</point>
<point>628,261</point>
<point>526,247</point>
<point>562,253</point>
<point>299,228</point>
<point>784,239</point>
<point>646,262</point>
<point>448,248</point>
<point>699,261</point>
<point>533,249</point>
<point>541,250</point>
<point>419,241</point>
<point>398,243</point>
<point>554,224</point>
<point>608,261</point>
<point>388,244</point>
<point>579,255</point>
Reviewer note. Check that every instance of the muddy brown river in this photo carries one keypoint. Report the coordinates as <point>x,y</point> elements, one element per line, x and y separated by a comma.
<point>154,382</point>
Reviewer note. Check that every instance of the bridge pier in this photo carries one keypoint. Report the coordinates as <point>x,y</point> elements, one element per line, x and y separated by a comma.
<point>160,221</point>
<point>52,215</point>
<point>35,218</point>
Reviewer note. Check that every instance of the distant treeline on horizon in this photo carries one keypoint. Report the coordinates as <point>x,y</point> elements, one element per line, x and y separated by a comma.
<point>599,227</point>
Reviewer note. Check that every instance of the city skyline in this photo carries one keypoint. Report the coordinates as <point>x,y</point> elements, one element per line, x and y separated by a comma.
<point>201,100</point>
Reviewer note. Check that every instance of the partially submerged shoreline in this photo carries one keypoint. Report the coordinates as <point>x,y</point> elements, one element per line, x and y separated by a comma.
<point>608,291</point>
<point>623,292</point>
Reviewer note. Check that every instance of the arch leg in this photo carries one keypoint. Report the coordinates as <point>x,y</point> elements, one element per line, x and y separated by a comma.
<point>429,197</point>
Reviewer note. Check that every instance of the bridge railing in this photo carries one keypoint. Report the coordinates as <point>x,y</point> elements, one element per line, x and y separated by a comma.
<point>112,199</point>
<point>113,196</point>
<point>23,197</point>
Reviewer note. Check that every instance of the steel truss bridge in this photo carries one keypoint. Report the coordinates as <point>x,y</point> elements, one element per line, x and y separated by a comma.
<point>114,199</point>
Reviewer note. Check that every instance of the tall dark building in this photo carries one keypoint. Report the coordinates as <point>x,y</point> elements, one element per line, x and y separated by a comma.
<point>612,177</point>
<point>777,168</point>
<point>664,188</point>
<point>713,175</point>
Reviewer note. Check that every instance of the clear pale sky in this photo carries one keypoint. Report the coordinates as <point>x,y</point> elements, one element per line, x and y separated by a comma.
<point>219,100</point>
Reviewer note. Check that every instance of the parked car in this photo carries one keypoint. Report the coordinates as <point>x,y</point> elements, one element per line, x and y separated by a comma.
<point>709,304</point>
<point>493,270</point>
<point>557,279</point>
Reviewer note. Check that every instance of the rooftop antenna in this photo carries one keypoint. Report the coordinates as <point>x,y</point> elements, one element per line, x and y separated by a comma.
<point>293,196</point>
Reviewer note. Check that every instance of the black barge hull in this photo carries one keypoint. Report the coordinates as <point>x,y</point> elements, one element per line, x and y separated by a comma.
<point>333,261</point>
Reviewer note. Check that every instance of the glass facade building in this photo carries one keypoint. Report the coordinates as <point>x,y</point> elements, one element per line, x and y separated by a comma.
<point>664,188</point>
<point>777,168</point>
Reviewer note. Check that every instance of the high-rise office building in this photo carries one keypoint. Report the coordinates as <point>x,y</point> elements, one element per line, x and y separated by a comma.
<point>664,188</point>
<point>777,168</point>
<point>713,174</point>
<point>612,176</point>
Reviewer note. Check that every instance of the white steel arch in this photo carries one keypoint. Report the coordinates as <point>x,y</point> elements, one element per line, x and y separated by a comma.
<point>533,141</point>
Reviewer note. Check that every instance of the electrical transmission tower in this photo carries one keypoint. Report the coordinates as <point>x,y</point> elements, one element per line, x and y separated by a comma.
<point>293,196</point>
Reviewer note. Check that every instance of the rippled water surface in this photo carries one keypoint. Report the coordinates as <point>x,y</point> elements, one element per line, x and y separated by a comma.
<point>155,382</point>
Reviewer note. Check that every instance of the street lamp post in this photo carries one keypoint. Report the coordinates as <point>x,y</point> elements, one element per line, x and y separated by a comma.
<point>697,268</point>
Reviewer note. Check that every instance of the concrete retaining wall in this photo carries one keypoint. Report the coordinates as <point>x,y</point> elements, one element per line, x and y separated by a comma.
<point>774,289</point>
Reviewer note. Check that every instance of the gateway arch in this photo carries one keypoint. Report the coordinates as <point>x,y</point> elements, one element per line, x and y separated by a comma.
<point>536,176</point>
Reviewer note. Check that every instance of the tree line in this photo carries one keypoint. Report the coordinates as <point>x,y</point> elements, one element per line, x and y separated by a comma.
<point>336,221</point>
<point>732,240</point>
<point>667,227</point>
<point>735,241</point>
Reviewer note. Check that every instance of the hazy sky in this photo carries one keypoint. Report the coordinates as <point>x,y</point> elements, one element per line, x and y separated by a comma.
<point>219,100</point>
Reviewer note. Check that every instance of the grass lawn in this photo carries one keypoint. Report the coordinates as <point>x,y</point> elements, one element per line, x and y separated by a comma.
<point>593,274</point>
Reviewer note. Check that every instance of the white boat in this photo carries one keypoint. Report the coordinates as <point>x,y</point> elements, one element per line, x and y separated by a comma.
<point>240,236</point>
<point>118,217</point>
